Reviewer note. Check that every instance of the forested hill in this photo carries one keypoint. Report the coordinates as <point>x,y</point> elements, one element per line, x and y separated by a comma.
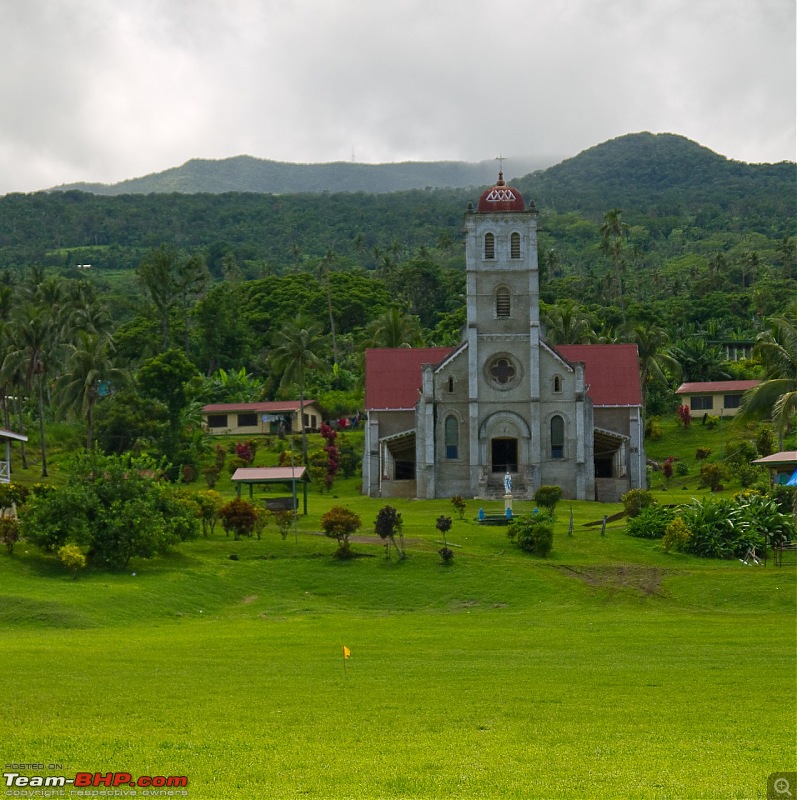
<point>248,174</point>
<point>663,174</point>
<point>662,183</point>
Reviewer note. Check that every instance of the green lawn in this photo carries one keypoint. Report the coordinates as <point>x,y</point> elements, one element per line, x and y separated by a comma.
<point>610,669</point>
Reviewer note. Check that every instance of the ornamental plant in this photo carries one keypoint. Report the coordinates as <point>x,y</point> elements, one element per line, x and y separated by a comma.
<point>547,497</point>
<point>239,517</point>
<point>443,524</point>
<point>72,558</point>
<point>459,505</point>
<point>388,524</point>
<point>340,523</point>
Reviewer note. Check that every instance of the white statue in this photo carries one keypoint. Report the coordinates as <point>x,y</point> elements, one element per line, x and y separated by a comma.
<point>508,483</point>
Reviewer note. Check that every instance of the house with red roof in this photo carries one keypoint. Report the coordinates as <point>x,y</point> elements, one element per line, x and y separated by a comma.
<point>504,408</point>
<point>716,398</point>
<point>274,416</point>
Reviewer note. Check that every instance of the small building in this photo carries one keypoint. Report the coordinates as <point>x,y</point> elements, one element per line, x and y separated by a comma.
<point>718,398</point>
<point>782,465</point>
<point>273,417</point>
<point>5,466</point>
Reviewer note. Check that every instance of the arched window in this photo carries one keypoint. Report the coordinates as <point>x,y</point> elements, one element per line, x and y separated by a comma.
<point>503,303</point>
<point>557,437</point>
<point>557,384</point>
<point>514,245</point>
<point>489,245</point>
<point>452,437</point>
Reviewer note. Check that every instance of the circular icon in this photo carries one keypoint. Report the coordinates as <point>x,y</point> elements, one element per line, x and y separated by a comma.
<point>781,786</point>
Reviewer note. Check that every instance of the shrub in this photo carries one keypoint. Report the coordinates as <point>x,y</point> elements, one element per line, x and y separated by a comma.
<point>533,533</point>
<point>261,520</point>
<point>235,463</point>
<point>681,468</point>
<point>188,473</point>
<point>239,517</point>
<point>283,520</point>
<point>667,468</point>
<point>702,453</point>
<point>684,415</point>
<point>447,554</point>
<point>443,524</point>
<point>388,524</point>
<point>711,421</point>
<point>785,497</point>
<point>459,505</point>
<point>650,523</point>
<point>211,475</point>
<point>547,497</point>
<point>765,441</point>
<point>635,500</point>
<point>72,558</point>
<point>340,523</point>
<point>653,429</point>
<point>350,459</point>
<point>676,535</point>
<point>209,504</point>
<point>712,476</point>
<point>9,533</point>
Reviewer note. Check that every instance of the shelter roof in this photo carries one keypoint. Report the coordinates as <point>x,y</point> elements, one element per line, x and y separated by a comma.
<point>270,474</point>
<point>393,375</point>
<point>611,372</point>
<point>715,386</point>
<point>785,458</point>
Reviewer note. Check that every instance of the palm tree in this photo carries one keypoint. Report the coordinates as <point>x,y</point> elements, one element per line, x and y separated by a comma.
<point>654,359</point>
<point>34,345</point>
<point>614,233</point>
<point>568,323</point>
<point>699,360</point>
<point>88,373</point>
<point>776,395</point>
<point>394,328</point>
<point>294,353</point>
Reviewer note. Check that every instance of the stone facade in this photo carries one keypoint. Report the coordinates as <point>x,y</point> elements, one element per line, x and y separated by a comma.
<point>504,401</point>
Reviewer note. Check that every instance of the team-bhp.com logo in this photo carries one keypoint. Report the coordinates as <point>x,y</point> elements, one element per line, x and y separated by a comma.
<point>87,783</point>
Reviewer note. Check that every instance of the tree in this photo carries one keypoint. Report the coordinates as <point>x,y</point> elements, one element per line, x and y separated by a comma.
<point>294,354</point>
<point>388,524</point>
<point>340,523</point>
<point>568,323</point>
<point>394,328</point>
<point>699,360</point>
<point>239,517</point>
<point>776,395</point>
<point>614,233</point>
<point>88,376</point>
<point>654,359</point>
<point>112,507</point>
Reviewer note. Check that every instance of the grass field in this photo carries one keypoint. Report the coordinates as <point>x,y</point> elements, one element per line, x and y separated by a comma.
<point>610,669</point>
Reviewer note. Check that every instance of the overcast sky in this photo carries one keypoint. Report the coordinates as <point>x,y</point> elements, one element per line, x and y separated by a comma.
<point>104,90</point>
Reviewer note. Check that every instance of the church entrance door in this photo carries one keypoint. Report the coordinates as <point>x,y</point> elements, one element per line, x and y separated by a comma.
<point>504,455</point>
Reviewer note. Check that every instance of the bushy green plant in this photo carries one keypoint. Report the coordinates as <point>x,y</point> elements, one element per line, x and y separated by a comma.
<point>635,500</point>
<point>784,496</point>
<point>460,505</point>
<point>712,476</point>
<point>9,533</point>
<point>547,497</point>
<point>681,468</point>
<point>72,557</point>
<point>238,516</point>
<point>702,453</point>
<point>676,535</point>
<point>651,522</point>
<point>340,523</point>
<point>388,524</point>
<point>209,505</point>
<point>283,520</point>
<point>447,554</point>
<point>653,429</point>
<point>711,528</point>
<point>533,533</point>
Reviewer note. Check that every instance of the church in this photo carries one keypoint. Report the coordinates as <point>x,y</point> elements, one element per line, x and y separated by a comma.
<point>445,421</point>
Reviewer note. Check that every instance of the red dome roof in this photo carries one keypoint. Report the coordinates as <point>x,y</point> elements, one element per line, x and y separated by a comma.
<point>500,198</point>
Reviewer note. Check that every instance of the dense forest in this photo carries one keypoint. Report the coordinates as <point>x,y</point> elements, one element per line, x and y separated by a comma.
<point>128,313</point>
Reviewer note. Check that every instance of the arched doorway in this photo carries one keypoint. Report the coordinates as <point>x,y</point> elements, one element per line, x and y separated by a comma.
<point>504,454</point>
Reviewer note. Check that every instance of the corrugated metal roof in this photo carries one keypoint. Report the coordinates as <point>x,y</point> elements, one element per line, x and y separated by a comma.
<point>707,387</point>
<point>265,474</point>
<point>393,375</point>
<point>610,370</point>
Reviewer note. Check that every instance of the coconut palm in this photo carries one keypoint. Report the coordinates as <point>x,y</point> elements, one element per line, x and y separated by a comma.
<point>294,354</point>
<point>655,361</point>
<point>88,375</point>
<point>776,395</point>
<point>568,323</point>
<point>394,328</point>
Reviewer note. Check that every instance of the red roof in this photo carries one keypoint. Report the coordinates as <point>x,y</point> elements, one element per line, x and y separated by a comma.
<point>500,198</point>
<point>715,386</point>
<point>393,375</point>
<point>270,407</point>
<point>610,370</point>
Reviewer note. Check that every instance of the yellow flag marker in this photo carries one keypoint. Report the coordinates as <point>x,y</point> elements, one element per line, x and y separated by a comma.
<point>346,651</point>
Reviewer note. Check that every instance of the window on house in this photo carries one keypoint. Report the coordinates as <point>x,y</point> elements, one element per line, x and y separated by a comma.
<point>557,384</point>
<point>451,386</point>
<point>306,418</point>
<point>247,420</point>
<point>514,246</point>
<point>503,303</point>
<point>489,245</point>
<point>217,421</point>
<point>557,437</point>
<point>732,401</point>
<point>452,437</point>
<point>702,402</point>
